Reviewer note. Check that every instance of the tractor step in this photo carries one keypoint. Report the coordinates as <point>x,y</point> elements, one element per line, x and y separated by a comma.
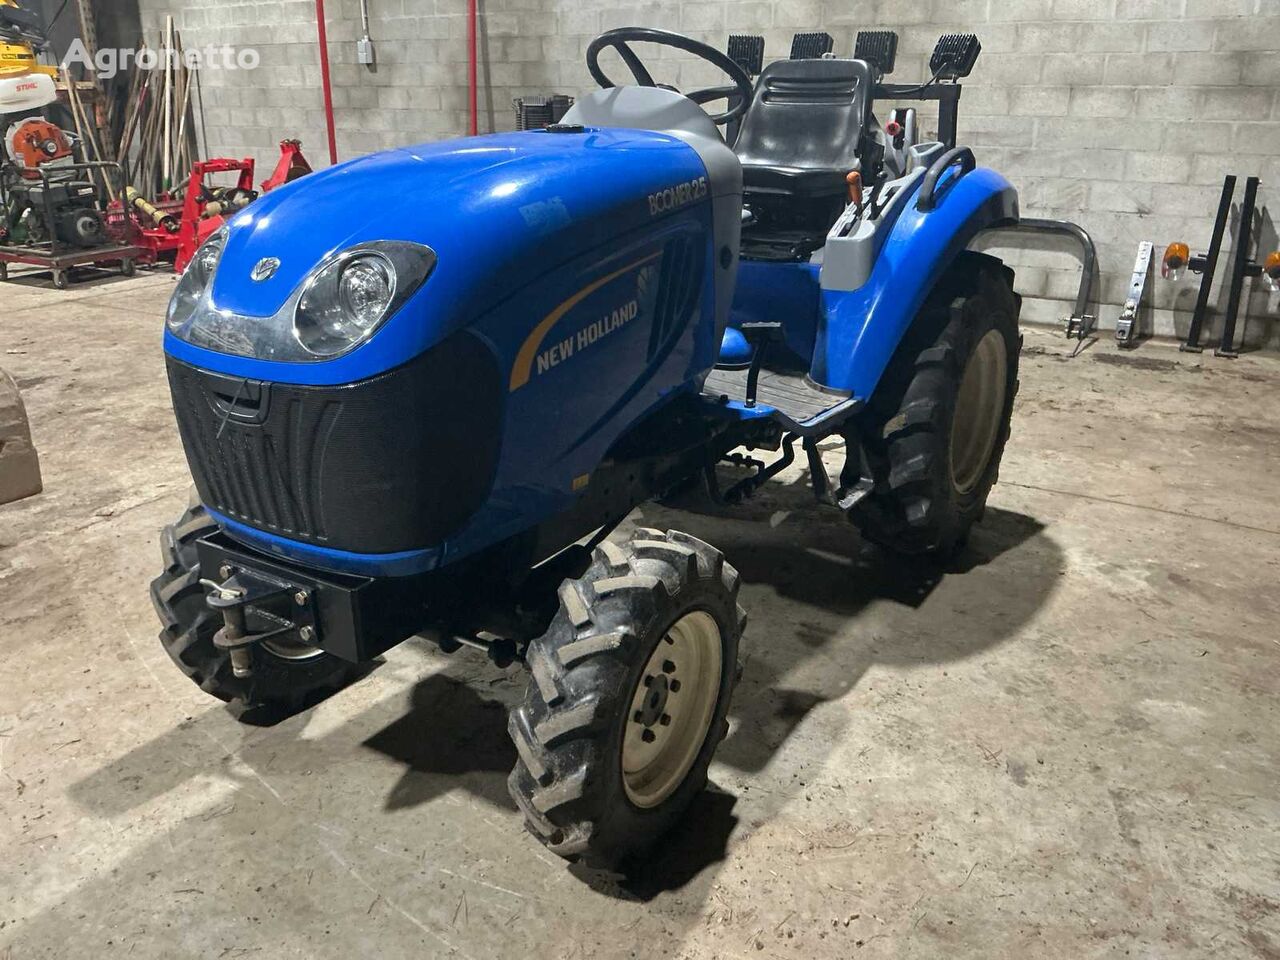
<point>789,397</point>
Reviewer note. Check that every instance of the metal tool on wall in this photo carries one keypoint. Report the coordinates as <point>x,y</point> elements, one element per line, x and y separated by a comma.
<point>1127,325</point>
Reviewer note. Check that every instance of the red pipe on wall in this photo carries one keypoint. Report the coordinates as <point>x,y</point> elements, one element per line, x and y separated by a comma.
<point>471,66</point>
<point>324,81</point>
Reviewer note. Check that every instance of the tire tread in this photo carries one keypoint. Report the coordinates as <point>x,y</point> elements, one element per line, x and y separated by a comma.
<point>585,659</point>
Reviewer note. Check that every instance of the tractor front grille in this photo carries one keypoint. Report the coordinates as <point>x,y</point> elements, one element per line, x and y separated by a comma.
<point>262,476</point>
<point>384,465</point>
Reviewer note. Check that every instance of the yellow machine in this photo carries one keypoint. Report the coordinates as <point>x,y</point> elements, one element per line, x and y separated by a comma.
<point>22,36</point>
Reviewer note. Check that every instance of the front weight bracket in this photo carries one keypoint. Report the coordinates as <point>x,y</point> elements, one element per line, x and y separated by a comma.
<point>257,607</point>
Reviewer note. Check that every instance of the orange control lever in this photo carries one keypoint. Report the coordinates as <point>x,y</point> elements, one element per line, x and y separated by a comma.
<point>854,179</point>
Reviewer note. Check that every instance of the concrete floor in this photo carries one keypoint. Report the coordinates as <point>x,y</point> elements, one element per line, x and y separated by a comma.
<point>1066,749</point>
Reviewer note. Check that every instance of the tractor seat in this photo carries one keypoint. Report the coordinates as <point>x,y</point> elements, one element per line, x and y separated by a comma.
<point>801,132</point>
<point>793,181</point>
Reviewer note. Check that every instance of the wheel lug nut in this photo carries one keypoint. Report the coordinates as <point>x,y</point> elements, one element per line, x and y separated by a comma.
<point>674,686</point>
<point>665,720</point>
<point>668,666</point>
<point>648,680</point>
<point>648,736</point>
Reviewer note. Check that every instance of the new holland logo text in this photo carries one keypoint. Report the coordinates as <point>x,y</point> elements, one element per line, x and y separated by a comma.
<point>533,359</point>
<point>675,197</point>
<point>566,348</point>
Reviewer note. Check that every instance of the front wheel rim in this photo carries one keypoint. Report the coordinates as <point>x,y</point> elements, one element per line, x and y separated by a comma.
<point>978,412</point>
<point>290,648</point>
<point>671,709</point>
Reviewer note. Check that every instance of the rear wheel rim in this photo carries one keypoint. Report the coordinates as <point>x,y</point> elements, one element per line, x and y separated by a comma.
<point>671,709</point>
<point>979,408</point>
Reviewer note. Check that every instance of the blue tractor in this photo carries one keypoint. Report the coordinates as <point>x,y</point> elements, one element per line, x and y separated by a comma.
<point>418,390</point>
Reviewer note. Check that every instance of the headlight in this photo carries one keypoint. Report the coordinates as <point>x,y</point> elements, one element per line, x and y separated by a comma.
<point>345,303</point>
<point>195,280</point>
<point>340,304</point>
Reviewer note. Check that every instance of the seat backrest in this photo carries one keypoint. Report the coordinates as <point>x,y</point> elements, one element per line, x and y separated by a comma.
<point>807,114</point>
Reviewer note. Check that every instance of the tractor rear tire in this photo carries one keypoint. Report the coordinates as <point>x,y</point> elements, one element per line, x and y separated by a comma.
<point>628,697</point>
<point>937,425</point>
<point>283,682</point>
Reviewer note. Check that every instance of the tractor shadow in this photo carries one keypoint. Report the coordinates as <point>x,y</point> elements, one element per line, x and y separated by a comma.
<point>683,857</point>
<point>465,737</point>
<point>825,608</point>
<point>270,716</point>
<point>448,734</point>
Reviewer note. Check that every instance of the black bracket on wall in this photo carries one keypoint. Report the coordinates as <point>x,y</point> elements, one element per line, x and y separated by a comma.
<point>1206,264</point>
<point>1242,266</point>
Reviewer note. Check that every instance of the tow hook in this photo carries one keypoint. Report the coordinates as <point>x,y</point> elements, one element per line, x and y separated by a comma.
<point>244,598</point>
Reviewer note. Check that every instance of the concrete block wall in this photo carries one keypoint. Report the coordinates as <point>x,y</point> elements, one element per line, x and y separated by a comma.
<point>1123,115</point>
<point>416,91</point>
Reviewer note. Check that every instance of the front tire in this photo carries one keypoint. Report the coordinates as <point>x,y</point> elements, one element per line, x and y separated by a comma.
<point>936,428</point>
<point>285,679</point>
<point>628,698</point>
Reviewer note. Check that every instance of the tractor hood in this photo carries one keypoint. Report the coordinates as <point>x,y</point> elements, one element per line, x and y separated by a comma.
<point>496,211</point>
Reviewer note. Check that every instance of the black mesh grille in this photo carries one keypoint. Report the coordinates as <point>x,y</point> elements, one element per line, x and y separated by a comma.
<point>264,477</point>
<point>393,463</point>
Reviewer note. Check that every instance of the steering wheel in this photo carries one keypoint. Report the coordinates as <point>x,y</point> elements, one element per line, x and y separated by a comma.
<point>618,39</point>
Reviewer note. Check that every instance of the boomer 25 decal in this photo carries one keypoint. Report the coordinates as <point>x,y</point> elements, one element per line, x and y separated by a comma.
<point>675,197</point>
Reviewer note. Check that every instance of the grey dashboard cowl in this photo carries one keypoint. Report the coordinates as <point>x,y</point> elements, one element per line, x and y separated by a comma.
<point>665,111</point>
